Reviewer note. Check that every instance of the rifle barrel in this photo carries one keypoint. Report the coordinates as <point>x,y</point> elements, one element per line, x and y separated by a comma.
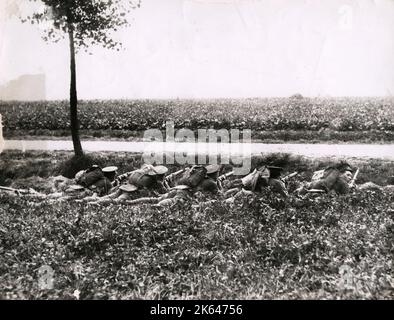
<point>291,175</point>
<point>7,188</point>
<point>355,177</point>
<point>228,174</point>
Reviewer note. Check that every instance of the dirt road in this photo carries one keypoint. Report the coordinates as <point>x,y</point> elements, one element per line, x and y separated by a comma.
<point>310,150</point>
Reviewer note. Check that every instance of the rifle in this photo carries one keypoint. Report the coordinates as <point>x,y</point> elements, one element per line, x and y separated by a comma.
<point>316,191</point>
<point>354,178</point>
<point>168,179</point>
<point>289,176</point>
<point>262,169</point>
<point>18,191</point>
<point>223,177</point>
<point>121,178</point>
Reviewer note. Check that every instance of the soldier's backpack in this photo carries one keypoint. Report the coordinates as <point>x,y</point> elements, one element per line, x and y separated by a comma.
<point>317,175</point>
<point>102,186</point>
<point>325,180</point>
<point>90,176</point>
<point>193,176</point>
<point>255,180</point>
<point>208,185</point>
<point>141,179</point>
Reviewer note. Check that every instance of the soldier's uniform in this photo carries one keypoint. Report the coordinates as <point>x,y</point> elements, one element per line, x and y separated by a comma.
<point>193,176</point>
<point>275,182</point>
<point>187,184</point>
<point>208,190</point>
<point>333,179</point>
<point>209,184</point>
<point>370,186</point>
<point>110,173</point>
<point>71,189</point>
<point>180,194</point>
<point>257,180</point>
<point>95,179</point>
<point>144,182</point>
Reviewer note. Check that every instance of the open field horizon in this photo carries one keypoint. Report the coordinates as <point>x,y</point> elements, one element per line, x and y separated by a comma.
<point>258,247</point>
<point>205,98</point>
<point>196,150</point>
<point>365,120</point>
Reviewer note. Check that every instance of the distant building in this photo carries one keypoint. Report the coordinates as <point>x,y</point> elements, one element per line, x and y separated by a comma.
<point>27,87</point>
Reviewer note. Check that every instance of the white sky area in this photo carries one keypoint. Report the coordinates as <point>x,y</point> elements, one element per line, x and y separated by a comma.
<point>219,48</point>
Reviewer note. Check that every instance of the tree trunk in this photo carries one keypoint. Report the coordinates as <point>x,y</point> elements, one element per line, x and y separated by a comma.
<point>73,97</point>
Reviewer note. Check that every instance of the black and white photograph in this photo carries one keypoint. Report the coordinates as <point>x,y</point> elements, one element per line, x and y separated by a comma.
<point>197,150</point>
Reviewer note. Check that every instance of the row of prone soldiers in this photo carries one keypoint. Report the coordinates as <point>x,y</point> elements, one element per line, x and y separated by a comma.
<point>153,185</point>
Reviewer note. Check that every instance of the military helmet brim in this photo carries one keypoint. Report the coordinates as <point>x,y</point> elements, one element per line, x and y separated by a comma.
<point>181,187</point>
<point>160,170</point>
<point>128,187</point>
<point>212,168</point>
<point>76,187</point>
<point>274,168</point>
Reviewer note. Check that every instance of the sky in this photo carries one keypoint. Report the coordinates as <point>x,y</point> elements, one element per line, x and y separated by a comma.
<point>218,48</point>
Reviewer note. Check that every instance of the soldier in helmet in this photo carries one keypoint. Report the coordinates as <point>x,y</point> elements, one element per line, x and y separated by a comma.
<point>186,186</point>
<point>231,187</point>
<point>257,180</point>
<point>110,172</point>
<point>275,182</point>
<point>208,190</point>
<point>209,183</point>
<point>197,187</point>
<point>96,179</point>
<point>192,176</point>
<point>336,178</point>
<point>144,182</point>
<point>180,194</point>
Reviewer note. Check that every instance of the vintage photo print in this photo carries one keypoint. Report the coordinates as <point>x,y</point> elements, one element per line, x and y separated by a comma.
<point>196,150</point>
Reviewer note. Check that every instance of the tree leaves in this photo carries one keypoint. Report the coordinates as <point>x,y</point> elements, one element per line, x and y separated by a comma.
<point>92,21</point>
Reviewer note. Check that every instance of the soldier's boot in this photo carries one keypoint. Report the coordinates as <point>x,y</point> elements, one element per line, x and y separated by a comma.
<point>230,200</point>
<point>204,204</point>
<point>369,186</point>
<point>55,195</point>
<point>94,197</point>
<point>124,196</point>
<point>108,198</point>
<point>114,194</point>
<point>231,192</point>
<point>168,202</point>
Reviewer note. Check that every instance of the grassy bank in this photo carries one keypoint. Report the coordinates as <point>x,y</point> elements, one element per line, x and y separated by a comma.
<point>262,247</point>
<point>276,136</point>
<point>16,165</point>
